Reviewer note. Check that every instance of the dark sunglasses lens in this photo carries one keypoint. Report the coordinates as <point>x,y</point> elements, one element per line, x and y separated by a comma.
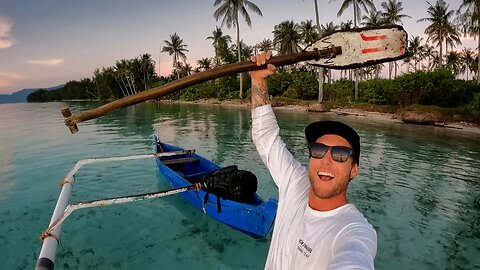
<point>340,154</point>
<point>318,150</point>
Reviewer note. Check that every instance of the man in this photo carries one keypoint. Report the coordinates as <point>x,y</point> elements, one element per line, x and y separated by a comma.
<point>315,226</point>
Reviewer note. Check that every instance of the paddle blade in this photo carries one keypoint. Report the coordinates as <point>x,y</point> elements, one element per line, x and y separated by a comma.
<point>362,47</point>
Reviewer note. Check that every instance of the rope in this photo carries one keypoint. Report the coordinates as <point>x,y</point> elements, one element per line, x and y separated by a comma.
<point>46,234</point>
<point>65,181</point>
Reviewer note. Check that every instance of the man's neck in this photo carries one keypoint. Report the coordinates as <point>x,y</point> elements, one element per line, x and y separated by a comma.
<point>319,204</point>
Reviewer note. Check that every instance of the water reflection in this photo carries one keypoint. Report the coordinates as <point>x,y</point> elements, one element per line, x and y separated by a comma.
<point>418,186</point>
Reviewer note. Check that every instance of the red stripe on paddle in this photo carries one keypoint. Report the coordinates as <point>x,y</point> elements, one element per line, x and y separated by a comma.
<point>373,50</point>
<point>370,38</point>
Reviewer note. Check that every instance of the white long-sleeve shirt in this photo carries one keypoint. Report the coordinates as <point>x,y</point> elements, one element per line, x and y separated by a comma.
<point>304,238</point>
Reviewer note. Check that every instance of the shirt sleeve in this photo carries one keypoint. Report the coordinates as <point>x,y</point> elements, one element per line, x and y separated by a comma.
<point>354,248</point>
<point>283,167</point>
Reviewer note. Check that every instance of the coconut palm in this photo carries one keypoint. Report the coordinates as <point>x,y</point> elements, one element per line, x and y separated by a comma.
<point>327,29</point>
<point>440,24</point>
<point>392,12</point>
<point>415,49</point>
<point>218,37</point>
<point>470,18</point>
<point>357,4</point>
<point>431,55</point>
<point>321,70</point>
<point>308,32</point>
<point>204,64</point>
<point>176,48</point>
<point>392,15</point>
<point>147,66</point>
<point>228,10</point>
<point>348,25</point>
<point>265,45</point>
<point>374,18</point>
<point>286,37</point>
<point>453,62</point>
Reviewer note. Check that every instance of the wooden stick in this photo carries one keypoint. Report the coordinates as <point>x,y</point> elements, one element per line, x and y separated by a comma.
<point>194,79</point>
<point>66,113</point>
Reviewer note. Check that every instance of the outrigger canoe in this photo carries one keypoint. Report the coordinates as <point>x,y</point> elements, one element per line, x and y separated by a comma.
<point>254,218</point>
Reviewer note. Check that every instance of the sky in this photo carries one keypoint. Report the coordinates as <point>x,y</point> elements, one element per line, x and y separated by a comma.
<point>49,42</point>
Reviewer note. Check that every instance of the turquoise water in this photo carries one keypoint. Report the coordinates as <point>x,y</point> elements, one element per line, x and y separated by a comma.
<point>418,186</point>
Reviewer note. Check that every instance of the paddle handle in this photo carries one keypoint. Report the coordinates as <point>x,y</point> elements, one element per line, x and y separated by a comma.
<point>67,113</point>
<point>226,70</point>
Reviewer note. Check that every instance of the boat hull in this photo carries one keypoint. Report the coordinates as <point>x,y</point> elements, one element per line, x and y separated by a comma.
<point>254,217</point>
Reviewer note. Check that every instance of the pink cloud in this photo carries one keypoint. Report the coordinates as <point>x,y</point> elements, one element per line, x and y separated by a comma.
<point>6,40</point>
<point>47,62</point>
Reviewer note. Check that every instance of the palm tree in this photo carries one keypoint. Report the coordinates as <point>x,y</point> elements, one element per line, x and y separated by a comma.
<point>440,26</point>
<point>348,25</point>
<point>454,62</point>
<point>374,18</point>
<point>286,37</point>
<point>308,32</point>
<point>176,48</point>
<point>470,10</point>
<point>228,10</point>
<point>147,66</point>
<point>265,45</point>
<point>357,4</point>
<point>326,30</point>
<point>204,64</point>
<point>392,15</point>
<point>431,55</point>
<point>218,38</point>
<point>414,49</point>
<point>392,12</point>
<point>321,70</point>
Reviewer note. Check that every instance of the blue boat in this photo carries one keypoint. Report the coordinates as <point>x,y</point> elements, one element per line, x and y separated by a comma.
<point>254,217</point>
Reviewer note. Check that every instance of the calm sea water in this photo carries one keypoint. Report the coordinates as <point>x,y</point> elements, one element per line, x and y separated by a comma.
<point>418,186</point>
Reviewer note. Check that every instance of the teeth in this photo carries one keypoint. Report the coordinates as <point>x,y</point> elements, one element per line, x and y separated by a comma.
<point>329,174</point>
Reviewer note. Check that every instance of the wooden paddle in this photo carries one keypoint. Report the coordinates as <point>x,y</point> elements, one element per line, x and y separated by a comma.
<point>340,50</point>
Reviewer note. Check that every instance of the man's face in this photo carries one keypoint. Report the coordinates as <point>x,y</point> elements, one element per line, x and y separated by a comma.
<point>330,178</point>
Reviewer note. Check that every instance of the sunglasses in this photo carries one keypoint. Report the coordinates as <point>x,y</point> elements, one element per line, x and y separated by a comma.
<point>338,153</point>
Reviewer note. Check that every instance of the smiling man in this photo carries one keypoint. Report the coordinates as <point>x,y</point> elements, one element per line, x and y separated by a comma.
<point>315,227</point>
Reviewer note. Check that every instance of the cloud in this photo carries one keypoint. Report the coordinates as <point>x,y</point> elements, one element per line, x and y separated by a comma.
<point>47,62</point>
<point>8,75</point>
<point>6,40</point>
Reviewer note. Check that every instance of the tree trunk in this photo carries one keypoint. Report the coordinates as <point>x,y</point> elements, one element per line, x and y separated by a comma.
<point>478,58</point>
<point>440,55</point>
<point>239,55</point>
<point>355,26</point>
<point>321,70</point>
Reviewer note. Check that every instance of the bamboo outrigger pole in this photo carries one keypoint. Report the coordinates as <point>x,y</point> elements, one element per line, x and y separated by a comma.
<point>51,236</point>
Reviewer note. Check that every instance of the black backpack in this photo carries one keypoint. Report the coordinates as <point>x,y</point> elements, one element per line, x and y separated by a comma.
<point>231,183</point>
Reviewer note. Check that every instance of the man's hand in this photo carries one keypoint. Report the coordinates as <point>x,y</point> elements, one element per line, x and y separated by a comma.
<point>259,83</point>
<point>261,59</point>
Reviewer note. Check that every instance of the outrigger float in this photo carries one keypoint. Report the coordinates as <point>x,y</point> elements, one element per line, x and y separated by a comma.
<point>185,170</point>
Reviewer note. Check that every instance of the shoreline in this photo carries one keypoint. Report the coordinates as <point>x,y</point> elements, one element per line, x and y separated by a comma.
<point>377,116</point>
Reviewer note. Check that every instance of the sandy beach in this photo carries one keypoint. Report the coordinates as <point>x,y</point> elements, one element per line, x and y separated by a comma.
<point>376,116</point>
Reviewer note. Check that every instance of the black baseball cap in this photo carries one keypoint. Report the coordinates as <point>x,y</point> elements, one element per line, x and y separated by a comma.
<point>316,130</point>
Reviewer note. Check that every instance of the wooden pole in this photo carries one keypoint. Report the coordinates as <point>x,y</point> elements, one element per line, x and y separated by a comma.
<point>72,120</point>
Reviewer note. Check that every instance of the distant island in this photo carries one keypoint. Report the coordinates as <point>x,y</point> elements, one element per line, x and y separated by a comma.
<point>21,95</point>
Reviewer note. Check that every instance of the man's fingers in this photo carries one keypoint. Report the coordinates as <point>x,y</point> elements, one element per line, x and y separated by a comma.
<point>271,67</point>
<point>268,55</point>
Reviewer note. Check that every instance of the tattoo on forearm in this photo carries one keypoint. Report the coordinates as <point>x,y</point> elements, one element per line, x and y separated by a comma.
<point>259,96</point>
